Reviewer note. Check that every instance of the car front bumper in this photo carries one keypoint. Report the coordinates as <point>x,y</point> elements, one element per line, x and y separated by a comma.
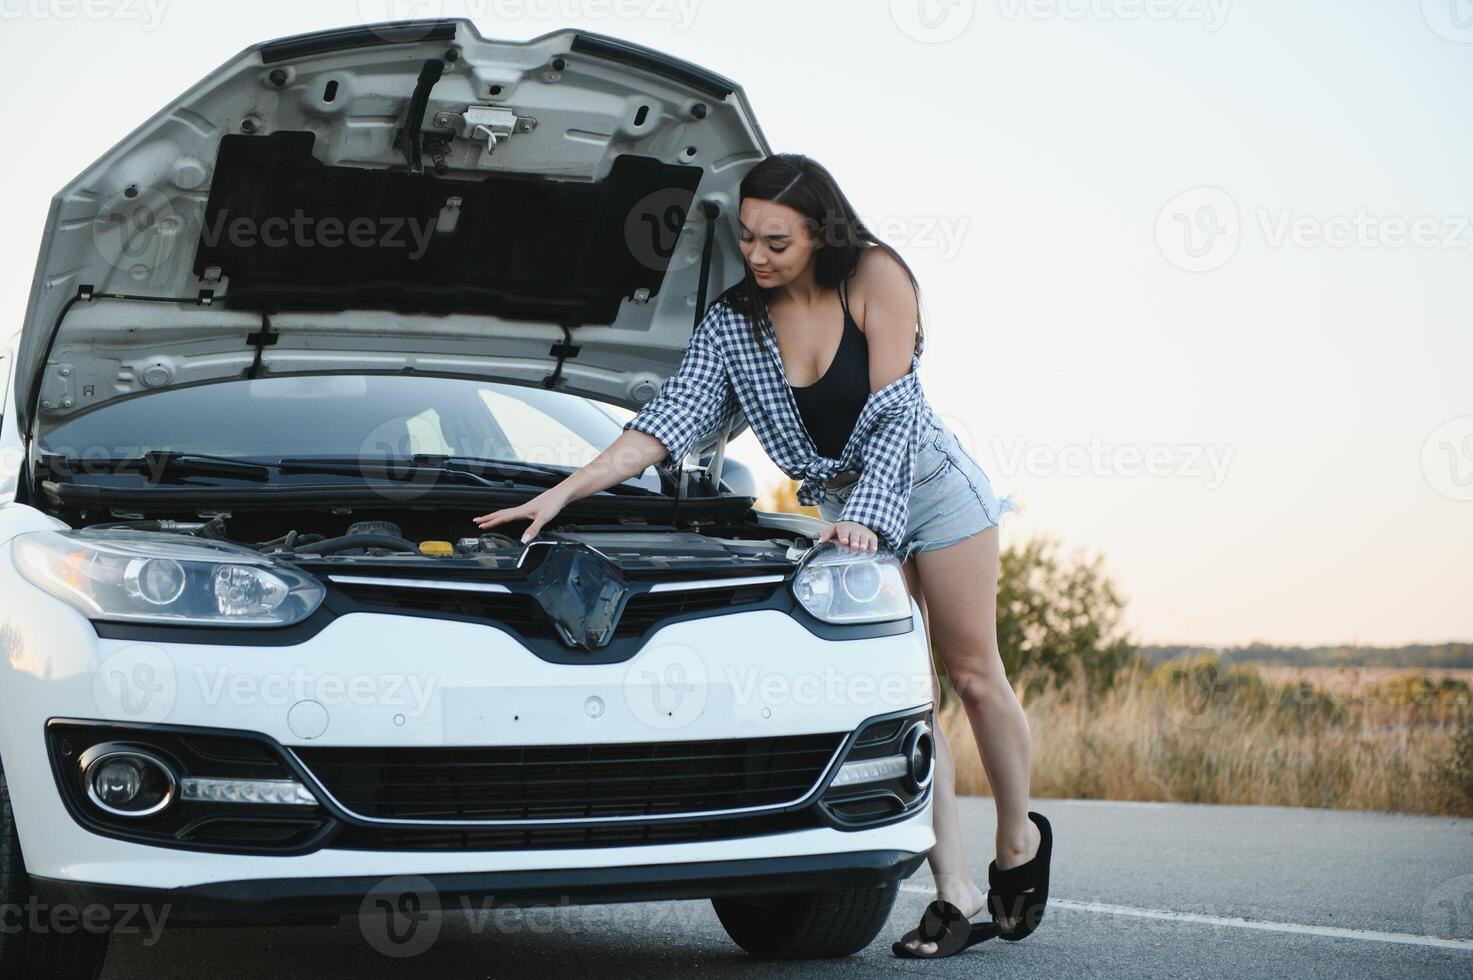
<point>391,681</point>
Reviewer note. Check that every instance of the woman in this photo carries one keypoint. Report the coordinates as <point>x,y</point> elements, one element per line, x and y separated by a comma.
<point>880,465</point>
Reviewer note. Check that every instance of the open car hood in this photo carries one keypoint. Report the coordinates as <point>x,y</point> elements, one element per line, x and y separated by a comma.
<point>398,198</point>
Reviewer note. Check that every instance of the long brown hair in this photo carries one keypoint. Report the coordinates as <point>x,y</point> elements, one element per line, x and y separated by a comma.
<point>807,187</point>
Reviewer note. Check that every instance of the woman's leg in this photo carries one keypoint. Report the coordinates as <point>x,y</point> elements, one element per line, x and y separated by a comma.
<point>954,882</point>
<point>960,586</point>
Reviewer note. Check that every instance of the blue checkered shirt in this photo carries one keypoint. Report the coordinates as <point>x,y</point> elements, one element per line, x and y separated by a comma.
<point>726,371</point>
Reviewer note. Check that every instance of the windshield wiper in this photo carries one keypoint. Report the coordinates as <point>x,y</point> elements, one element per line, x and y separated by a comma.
<point>155,465</point>
<point>493,473</point>
<point>401,468</point>
<point>515,469</point>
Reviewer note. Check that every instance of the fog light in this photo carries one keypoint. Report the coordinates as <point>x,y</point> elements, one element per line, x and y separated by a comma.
<point>127,782</point>
<point>919,749</point>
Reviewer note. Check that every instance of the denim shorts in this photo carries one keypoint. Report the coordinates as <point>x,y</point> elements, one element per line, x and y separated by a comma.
<point>951,497</point>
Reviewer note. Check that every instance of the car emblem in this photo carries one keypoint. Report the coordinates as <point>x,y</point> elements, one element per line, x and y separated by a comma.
<point>581,592</point>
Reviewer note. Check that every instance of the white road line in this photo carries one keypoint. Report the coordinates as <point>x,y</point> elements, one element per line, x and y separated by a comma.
<point>1404,938</point>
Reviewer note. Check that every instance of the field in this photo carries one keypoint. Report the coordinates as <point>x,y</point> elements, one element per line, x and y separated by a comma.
<point>1346,738</point>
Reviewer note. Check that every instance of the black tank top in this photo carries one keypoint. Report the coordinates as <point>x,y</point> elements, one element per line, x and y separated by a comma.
<point>830,406</point>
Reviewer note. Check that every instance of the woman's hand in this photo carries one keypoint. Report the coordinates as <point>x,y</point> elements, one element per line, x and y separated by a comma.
<point>539,510</point>
<point>851,535</point>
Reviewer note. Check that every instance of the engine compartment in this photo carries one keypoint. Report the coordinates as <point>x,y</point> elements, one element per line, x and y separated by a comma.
<point>340,535</point>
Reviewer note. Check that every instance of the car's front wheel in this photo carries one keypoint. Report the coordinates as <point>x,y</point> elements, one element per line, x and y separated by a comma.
<point>807,925</point>
<point>29,944</point>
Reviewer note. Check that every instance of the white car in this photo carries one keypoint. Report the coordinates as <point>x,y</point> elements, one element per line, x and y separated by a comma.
<point>257,665</point>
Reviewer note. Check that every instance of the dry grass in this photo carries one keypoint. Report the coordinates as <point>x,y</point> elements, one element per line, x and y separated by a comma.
<point>1240,739</point>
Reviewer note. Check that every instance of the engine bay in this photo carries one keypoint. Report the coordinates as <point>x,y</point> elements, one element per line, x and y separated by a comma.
<point>308,536</point>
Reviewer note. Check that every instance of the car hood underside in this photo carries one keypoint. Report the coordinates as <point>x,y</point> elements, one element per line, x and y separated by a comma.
<point>410,198</point>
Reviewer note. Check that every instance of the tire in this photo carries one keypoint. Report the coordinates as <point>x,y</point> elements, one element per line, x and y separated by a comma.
<point>27,953</point>
<point>807,925</point>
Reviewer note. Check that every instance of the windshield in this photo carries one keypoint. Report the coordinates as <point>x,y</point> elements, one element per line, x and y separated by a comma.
<point>352,417</point>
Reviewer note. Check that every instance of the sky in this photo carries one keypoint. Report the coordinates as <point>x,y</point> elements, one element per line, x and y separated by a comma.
<point>1195,274</point>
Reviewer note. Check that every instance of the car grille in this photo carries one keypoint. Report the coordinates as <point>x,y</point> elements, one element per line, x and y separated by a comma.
<point>572,782</point>
<point>520,612</point>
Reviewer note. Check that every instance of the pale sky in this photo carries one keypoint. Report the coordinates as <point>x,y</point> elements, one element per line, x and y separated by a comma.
<point>1196,273</point>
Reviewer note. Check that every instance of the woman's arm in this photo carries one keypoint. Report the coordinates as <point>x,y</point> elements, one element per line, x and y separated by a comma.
<point>695,400</point>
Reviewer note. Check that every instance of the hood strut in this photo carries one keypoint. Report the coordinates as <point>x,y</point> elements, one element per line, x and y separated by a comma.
<point>87,293</point>
<point>712,478</point>
<point>411,137</point>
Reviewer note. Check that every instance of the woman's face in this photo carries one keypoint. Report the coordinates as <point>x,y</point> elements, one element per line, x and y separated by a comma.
<point>775,241</point>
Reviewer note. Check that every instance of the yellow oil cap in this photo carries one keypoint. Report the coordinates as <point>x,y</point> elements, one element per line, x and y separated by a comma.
<point>436,549</point>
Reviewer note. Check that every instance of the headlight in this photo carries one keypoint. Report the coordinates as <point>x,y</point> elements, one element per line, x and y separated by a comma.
<point>840,585</point>
<point>141,576</point>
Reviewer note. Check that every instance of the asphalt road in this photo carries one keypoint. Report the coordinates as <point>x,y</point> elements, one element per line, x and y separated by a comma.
<point>1137,889</point>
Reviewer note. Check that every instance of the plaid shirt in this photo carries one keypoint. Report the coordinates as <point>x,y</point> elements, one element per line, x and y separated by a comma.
<point>725,371</point>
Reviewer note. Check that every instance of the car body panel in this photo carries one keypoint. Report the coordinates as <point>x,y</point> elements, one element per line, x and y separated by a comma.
<point>133,222</point>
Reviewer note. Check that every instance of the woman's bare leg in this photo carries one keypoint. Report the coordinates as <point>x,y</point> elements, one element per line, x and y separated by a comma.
<point>960,587</point>
<point>954,882</point>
